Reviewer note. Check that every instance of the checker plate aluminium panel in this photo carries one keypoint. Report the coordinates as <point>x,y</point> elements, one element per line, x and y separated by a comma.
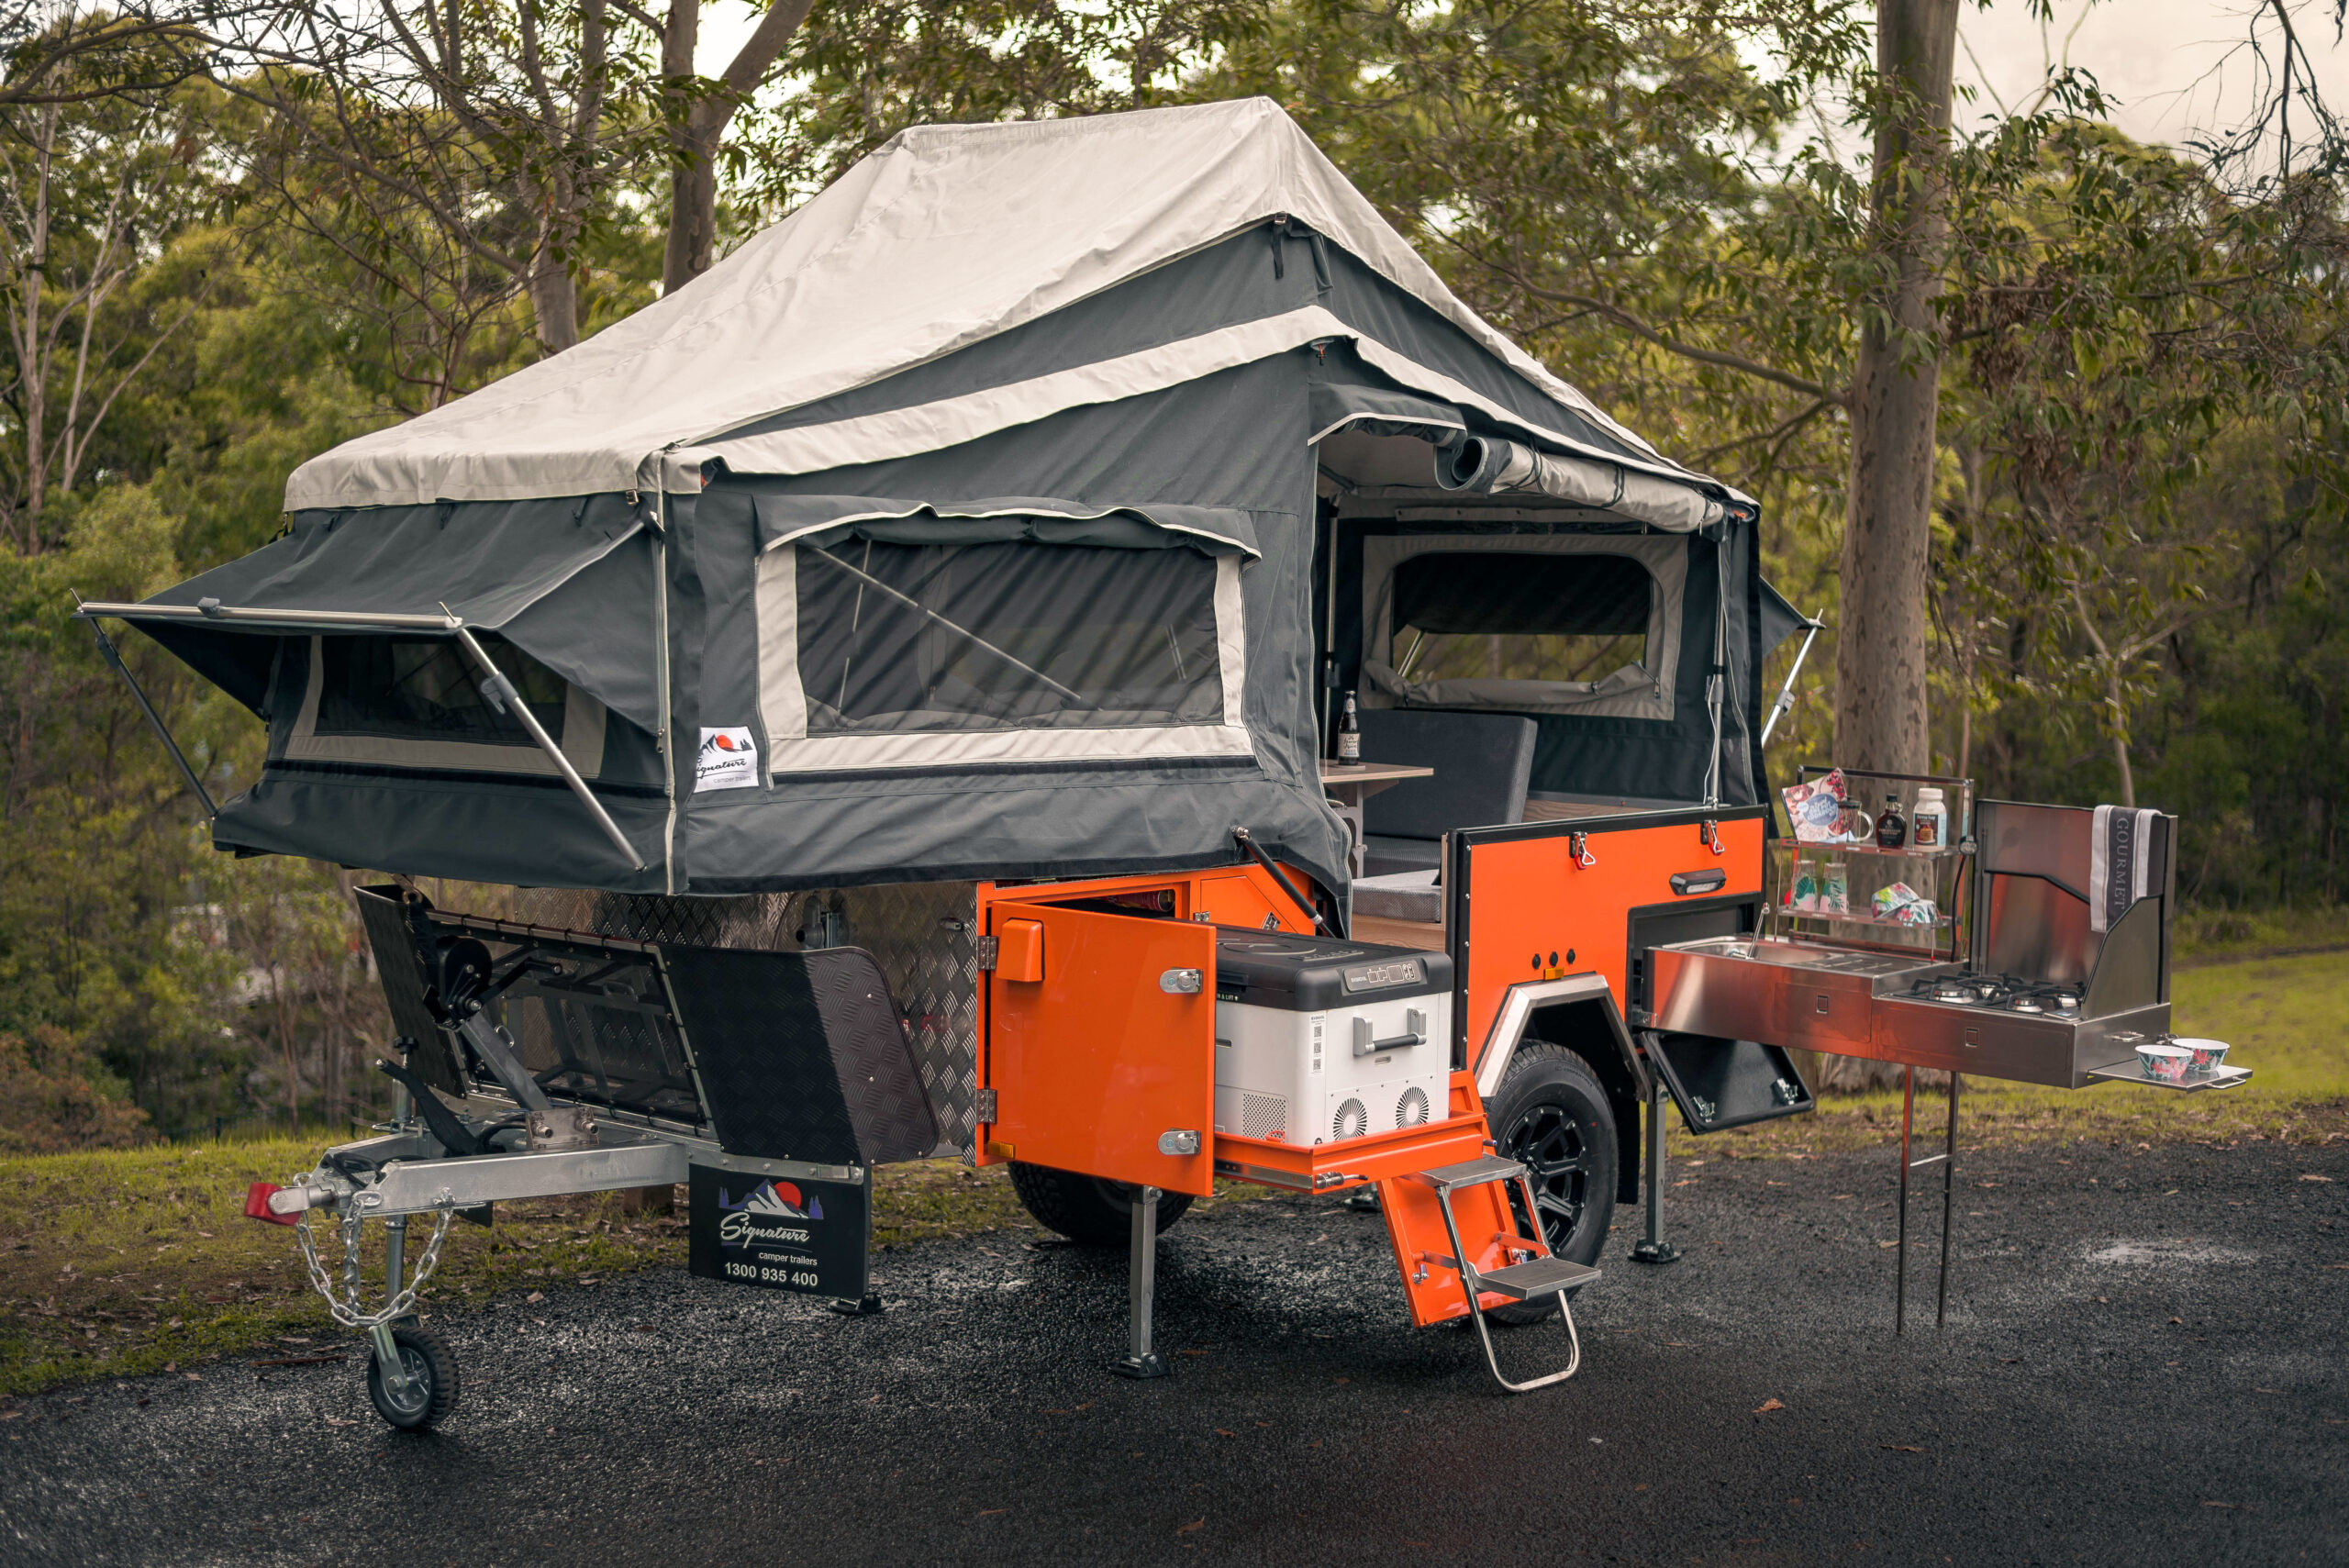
<point>922,934</point>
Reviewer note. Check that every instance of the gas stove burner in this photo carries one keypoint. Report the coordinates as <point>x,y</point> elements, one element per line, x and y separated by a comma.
<point>2027,1004</point>
<point>1954,991</point>
<point>2067,1004</point>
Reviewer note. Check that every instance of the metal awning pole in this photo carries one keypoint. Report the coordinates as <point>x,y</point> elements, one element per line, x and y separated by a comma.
<point>114,656</point>
<point>1786,693</point>
<point>502,694</point>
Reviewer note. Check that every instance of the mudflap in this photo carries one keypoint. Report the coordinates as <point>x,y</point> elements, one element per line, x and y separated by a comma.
<point>783,1233</point>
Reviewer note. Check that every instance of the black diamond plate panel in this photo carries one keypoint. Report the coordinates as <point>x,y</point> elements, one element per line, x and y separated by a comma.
<point>921,934</point>
<point>402,975</point>
<point>762,1043</point>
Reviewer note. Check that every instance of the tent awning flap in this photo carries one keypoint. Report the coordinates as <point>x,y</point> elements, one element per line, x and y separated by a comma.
<point>1482,466</point>
<point>1779,620</point>
<point>492,566</point>
<point>485,565</point>
<point>1211,531</point>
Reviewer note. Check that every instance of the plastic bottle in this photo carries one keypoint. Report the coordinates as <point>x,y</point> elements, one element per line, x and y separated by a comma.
<point>1928,824</point>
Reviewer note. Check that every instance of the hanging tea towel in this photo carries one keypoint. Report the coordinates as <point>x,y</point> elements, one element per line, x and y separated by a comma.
<point>2120,863</point>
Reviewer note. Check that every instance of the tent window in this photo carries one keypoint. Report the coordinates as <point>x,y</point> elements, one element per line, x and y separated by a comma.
<point>1520,616</point>
<point>420,688</point>
<point>896,637</point>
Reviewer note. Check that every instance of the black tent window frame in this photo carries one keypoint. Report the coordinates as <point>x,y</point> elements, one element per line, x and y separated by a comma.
<point>1641,691</point>
<point>800,740</point>
<point>579,729</point>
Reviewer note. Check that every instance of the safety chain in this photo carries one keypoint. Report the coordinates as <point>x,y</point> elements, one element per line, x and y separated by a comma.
<point>346,1309</point>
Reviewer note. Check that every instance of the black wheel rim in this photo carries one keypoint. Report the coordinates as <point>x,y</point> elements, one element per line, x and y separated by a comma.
<point>1547,1140</point>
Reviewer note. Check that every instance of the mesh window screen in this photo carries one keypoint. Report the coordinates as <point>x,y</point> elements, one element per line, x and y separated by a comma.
<point>420,688</point>
<point>901,637</point>
<point>1525,617</point>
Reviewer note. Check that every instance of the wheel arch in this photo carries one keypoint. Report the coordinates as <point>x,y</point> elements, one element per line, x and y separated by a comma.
<point>1576,1013</point>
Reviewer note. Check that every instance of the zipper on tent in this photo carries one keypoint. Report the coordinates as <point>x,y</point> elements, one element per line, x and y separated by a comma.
<point>660,677</point>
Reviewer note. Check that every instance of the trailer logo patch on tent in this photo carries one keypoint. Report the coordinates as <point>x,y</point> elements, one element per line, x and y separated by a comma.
<point>728,760</point>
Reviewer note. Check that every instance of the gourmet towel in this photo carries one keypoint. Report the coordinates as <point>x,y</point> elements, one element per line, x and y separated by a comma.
<point>2120,863</point>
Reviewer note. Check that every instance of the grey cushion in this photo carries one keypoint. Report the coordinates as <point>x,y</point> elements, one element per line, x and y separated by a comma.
<point>1482,761</point>
<point>1384,856</point>
<point>1400,896</point>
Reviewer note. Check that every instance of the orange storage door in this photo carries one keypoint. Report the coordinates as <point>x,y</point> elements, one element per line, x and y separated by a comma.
<point>1093,1059</point>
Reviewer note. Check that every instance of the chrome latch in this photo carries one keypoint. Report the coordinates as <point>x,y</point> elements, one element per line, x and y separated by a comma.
<point>1578,846</point>
<point>1178,1142</point>
<point>1182,982</point>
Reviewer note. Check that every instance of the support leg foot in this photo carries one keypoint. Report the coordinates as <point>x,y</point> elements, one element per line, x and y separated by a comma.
<point>1141,1360</point>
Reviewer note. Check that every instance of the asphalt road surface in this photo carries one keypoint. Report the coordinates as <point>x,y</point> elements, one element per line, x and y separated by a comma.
<point>2143,1364</point>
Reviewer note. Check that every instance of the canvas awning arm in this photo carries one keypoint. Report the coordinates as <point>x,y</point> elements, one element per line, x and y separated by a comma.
<point>494,684</point>
<point>502,697</point>
<point>1786,693</point>
<point>138,694</point>
<point>962,631</point>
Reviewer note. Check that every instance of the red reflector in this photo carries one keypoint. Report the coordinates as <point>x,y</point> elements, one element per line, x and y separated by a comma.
<point>257,1205</point>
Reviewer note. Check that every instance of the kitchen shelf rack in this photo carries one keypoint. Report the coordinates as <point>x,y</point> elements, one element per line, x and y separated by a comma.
<point>1943,873</point>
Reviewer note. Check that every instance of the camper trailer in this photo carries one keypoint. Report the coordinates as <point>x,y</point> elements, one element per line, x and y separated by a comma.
<point>901,674</point>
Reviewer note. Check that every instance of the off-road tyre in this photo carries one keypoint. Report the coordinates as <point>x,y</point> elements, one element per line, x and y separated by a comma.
<point>1087,1209</point>
<point>424,1355</point>
<point>1551,1114</point>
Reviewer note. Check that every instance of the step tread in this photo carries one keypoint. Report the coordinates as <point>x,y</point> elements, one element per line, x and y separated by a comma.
<point>1471,1172</point>
<point>1536,1276</point>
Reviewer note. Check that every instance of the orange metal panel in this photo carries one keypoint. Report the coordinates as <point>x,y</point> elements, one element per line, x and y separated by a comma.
<point>1414,1227</point>
<point>1093,1063</point>
<point>1333,1167</point>
<point>1534,913</point>
<point>1020,954</point>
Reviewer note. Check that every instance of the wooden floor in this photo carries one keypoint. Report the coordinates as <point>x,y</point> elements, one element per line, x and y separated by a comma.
<point>1426,935</point>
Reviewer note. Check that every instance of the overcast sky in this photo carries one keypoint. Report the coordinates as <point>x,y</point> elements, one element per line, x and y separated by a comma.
<point>2174,66</point>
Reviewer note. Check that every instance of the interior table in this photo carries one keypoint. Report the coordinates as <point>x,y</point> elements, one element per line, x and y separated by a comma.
<point>1351,784</point>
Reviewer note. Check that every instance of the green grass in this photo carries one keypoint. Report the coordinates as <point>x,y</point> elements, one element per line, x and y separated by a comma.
<point>122,1263</point>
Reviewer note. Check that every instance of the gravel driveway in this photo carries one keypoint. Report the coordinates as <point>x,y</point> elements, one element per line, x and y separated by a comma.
<point>2143,1364</point>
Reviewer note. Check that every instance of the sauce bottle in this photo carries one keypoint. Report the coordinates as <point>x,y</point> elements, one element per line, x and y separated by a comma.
<point>1349,733</point>
<point>1891,832</point>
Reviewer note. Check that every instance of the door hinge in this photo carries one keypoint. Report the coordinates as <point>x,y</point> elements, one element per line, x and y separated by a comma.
<point>986,1106</point>
<point>986,948</point>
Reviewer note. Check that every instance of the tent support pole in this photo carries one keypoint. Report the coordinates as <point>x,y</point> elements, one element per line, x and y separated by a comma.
<point>502,694</point>
<point>114,658</point>
<point>1786,693</point>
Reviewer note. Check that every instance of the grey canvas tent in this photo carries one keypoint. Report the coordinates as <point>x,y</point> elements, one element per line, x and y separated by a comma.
<point>1005,511</point>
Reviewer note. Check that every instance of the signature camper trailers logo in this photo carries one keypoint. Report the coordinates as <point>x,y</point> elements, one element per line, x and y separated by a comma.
<point>728,760</point>
<point>784,1234</point>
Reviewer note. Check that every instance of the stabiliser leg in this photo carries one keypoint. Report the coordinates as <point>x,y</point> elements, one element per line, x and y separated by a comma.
<point>1947,1161</point>
<point>1652,1248</point>
<point>1141,1286</point>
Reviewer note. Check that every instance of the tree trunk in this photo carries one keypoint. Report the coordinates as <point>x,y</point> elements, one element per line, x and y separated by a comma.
<point>697,130</point>
<point>1880,692</point>
<point>693,207</point>
<point>554,292</point>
